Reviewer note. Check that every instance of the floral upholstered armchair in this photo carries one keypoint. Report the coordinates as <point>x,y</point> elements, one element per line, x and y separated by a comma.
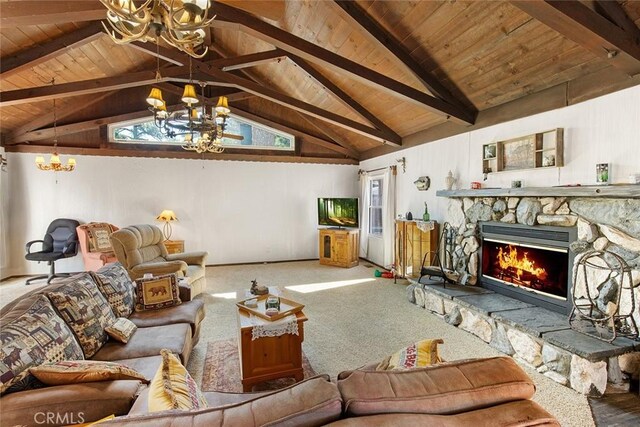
<point>95,244</point>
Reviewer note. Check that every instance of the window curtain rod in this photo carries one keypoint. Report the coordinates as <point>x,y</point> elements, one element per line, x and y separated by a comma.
<point>401,160</point>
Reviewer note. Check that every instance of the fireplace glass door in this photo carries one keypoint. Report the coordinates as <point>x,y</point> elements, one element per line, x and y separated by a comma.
<point>530,267</point>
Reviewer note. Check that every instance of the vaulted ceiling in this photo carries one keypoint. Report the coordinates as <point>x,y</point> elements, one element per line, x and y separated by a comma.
<point>351,80</point>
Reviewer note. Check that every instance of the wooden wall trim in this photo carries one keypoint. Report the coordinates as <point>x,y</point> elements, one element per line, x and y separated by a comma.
<point>114,150</point>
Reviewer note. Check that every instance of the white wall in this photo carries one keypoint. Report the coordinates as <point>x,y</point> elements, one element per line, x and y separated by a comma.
<point>601,130</point>
<point>237,211</point>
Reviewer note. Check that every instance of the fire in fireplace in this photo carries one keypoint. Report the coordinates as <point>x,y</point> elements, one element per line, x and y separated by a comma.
<point>528,263</point>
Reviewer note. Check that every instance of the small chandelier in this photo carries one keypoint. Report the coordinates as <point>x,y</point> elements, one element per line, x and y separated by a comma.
<point>180,23</point>
<point>54,161</point>
<point>208,124</point>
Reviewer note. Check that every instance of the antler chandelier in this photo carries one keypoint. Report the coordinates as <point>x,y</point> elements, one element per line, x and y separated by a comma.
<point>209,125</point>
<point>180,23</point>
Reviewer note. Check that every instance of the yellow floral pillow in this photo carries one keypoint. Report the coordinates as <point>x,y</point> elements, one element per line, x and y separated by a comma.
<point>173,388</point>
<point>417,355</point>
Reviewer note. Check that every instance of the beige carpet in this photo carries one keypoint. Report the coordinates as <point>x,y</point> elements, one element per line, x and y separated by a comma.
<point>222,370</point>
<point>354,318</point>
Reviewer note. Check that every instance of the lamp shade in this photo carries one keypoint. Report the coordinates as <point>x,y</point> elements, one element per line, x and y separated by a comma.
<point>155,98</point>
<point>55,159</point>
<point>189,95</point>
<point>39,160</point>
<point>167,215</point>
<point>223,106</point>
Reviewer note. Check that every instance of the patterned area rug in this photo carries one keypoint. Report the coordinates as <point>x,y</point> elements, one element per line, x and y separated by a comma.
<point>222,370</point>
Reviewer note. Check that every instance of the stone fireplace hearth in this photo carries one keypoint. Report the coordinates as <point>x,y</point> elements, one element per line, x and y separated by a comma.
<point>583,218</point>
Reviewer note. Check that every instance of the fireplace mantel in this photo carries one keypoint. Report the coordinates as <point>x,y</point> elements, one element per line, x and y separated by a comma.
<point>626,191</point>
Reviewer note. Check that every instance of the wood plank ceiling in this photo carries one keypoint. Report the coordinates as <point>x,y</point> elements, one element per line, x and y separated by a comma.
<point>350,80</point>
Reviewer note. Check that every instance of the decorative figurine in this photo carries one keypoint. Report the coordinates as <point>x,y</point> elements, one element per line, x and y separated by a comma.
<point>258,289</point>
<point>449,181</point>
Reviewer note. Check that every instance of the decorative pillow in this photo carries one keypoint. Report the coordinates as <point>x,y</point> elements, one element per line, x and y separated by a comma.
<point>115,284</point>
<point>37,336</point>
<point>122,330</point>
<point>418,354</point>
<point>173,388</point>
<point>85,310</point>
<point>84,371</point>
<point>157,292</point>
<point>98,235</point>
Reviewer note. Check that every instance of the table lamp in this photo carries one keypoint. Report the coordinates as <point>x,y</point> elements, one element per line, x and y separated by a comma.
<point>167,216</point>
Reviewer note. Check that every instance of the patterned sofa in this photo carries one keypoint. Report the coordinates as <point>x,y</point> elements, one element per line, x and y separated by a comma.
<point>66,321</point>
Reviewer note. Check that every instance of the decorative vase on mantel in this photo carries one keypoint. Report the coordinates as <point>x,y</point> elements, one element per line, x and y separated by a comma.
<point>449,181</point>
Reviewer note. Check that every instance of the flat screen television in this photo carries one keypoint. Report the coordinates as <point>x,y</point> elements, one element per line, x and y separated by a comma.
<point>338,212</point>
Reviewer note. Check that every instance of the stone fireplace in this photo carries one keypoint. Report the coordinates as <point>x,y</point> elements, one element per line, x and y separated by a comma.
<point>515,251</point>
<point>532,264</point>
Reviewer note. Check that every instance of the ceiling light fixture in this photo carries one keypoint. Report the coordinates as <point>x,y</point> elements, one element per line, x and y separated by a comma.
<point>54,161</point>
<point>180,23</point>
<point>202,130</point>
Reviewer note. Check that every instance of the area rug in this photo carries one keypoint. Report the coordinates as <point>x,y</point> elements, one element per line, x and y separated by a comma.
<point>221,370</point>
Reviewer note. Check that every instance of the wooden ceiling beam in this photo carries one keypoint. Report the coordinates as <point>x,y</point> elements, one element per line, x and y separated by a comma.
<point>617,14</point>
<point>49,133</point>
<point>344,97</point>
<point>170,152</point>
<point>250,60</point>
<point>331,134</point>
<point>384,38</point>
<point>338,141</point>
<point>223,78</point>
<point>48,118</point>
<point>229,17</point>
<point>38,54</point>
<point>84,87</point>
<point>24,13</point>
<point>589,29</point>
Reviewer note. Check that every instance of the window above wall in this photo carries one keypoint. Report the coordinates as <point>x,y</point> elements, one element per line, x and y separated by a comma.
<point>256,136</point>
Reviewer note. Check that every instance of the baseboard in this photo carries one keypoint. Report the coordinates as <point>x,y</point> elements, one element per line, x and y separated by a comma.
<point>261,262</point>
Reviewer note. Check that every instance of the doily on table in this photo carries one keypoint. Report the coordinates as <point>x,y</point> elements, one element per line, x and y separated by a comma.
<point>265,328</point>
<point>425,226</point>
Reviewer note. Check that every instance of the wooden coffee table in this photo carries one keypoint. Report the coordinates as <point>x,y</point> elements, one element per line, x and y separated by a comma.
<point>269,358</point>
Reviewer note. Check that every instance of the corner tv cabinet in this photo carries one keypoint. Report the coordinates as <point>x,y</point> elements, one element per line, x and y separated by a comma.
<point>339,247</point>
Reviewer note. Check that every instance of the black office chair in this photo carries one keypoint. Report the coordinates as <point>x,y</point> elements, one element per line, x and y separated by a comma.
<point>436,268</point>
<point>61,241</point>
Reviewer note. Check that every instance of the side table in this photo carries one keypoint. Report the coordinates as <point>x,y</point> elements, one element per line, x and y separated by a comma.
<point>268,358</point>
<point>174,246</point>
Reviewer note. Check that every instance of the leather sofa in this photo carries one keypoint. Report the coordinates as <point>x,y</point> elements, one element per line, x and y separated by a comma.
<point>176,328</point>
<point>141,250</point>
<point>477,392</point>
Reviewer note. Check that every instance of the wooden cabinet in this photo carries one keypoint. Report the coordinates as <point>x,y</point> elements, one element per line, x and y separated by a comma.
<point>268,358</point>
<point>339,247</point>
<point>411,245</point>
<point>174,246</point>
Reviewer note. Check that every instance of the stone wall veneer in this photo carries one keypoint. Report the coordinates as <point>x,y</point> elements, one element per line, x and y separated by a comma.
<point>617,231</point>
